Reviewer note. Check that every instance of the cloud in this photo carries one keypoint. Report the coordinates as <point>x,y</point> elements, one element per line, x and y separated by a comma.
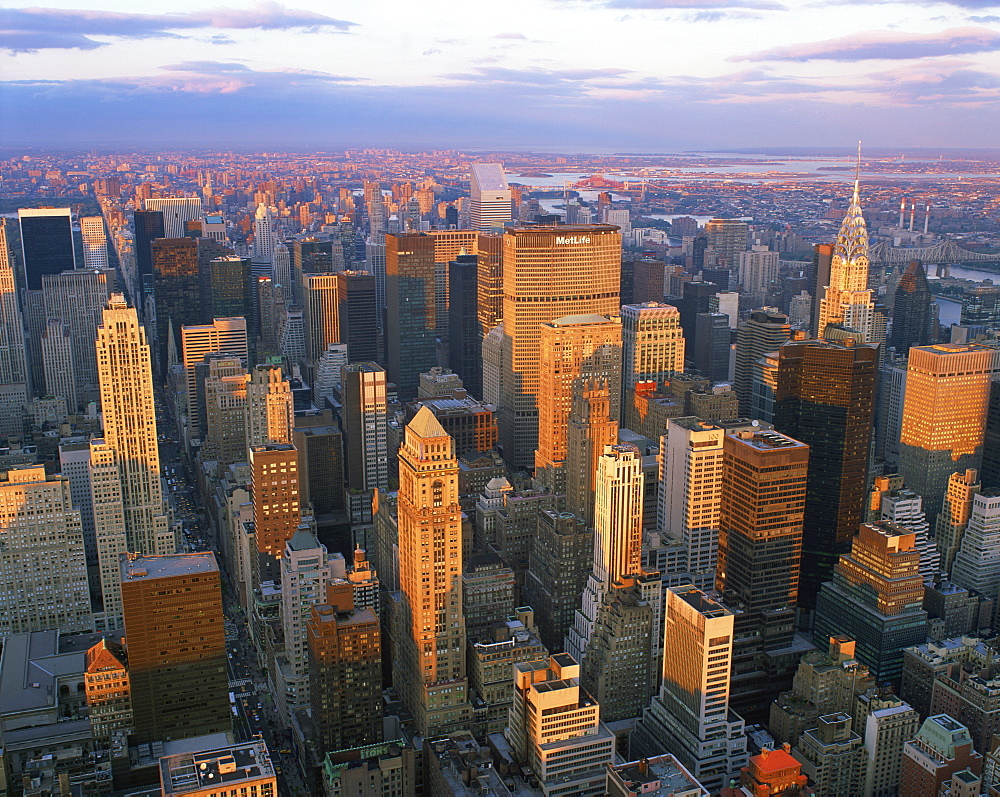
<point>551,77</point>
<point>31,29</point>
<point>431,51</point>
<point>941,82</point>
<point>693,5</point>
<point>510,36</point>
<point>883,44</point>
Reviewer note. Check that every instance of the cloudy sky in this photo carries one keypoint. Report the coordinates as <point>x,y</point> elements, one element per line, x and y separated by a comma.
<point>591,75</point>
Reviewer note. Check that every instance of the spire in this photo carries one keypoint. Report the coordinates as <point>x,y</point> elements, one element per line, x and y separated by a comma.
<point>852,240</point>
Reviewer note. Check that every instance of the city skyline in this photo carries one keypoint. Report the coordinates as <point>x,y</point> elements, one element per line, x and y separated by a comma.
<point>572,74</point>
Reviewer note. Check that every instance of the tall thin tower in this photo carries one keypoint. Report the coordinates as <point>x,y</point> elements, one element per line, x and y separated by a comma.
<point>126,382</point>
<point>847,300</point>
<point>430,631</point>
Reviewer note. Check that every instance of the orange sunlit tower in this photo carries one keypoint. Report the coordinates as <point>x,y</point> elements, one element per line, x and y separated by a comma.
<point>430,627</point>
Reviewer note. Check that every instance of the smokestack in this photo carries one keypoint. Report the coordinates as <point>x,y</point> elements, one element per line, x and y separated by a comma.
<point>927,218</point>
<point>913,210</point>
<point>902,210</point>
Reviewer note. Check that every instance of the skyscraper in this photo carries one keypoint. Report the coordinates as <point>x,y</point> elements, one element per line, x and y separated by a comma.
<point>691,716</point>
<point>411,317</point>
<point>760,544</point>
<point>176,293</point>
<point>944,415</point>
<point>176,212</point>
<point>911,310</point>
<point>148,226</point>
<point>44,565</point>
<point>490,206</point>
<point>319,300</point>
<point>47,243</point>
<point>176,645</point>
<point>758,274</point>
<point>465,338</point>
<point>79,298</point>
<point>847,301</point>
<point>825,398</point>
<point>222,336</point>
<point>875,598</point>
<point>357,317</point>
<point>428,622</point>
<point>590,427</point>
<point>727,240</point>
<point>126,383</point>
<point>95,242</point>
<point>13,356</point>
<point>548,273</point>
<point>230,290</point>
<point>573,350</point>
<point>363,422</point>
<point>57,361</point>
<point>263,234</point>
<point>274,490</point>
<point>652,348</point>
<point>270,416</point>
<point>763,332</point>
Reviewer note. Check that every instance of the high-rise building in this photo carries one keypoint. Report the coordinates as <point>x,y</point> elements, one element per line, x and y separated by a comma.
<point>590,427</point>
<point>57,362</point>
<point>282,268</point>
<point>148,225</point>
<point>344,664</point>
<point>270,414</point>
<point>691,717</point>
<point>490,207</point>
<point>548,273</point>
<point>364,423</point>
<point>875,597</point>
<point>95,242</point>
<point>763,332</point>
<point>306,574</point>
<point>888,724</point>
<point>764,481</point>
<point>356,315</point>
<point>109,695</point>
<point>46,242</point>
<point>652,348</point>
<point>833,755</point>
<point>847,301</point>
<point>230,290</point>
<point>411,317</point>
<point>941,748</point>
<point>319,300</point>
<point>263,234</point>
<point>222,336</point>
<point>981,306</point>
<point>245,767</point>
<point>758,273</point>
<point>126,384</point>
<point>555,728</point>
<point>79,298</point>
<point>911,310</point>
<point>13,354</point>
<point>944,415</point>
<point>819,278</point>
<point>490,283</point>
<point>44,566</point>
<point>465,337</point>
<point>727,240</point>
<point>953,519</point>
<point>429,626</point>
<point>710,350</point>
<point>825,398</point>
<point>274,491</point>
<point>991,440</point>
<point>976,566</point>
<point>617,537</point>
<point>905,508</point>
<point>177,294</point>
<point>690,495</point>
<point>177,211</point>
<point>573,351</point>
<point>176,645</point>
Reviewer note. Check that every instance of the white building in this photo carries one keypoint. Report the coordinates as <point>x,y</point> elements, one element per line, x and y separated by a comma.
<point>490,206</point>
<point>263,235</point>
<point>176,211</point>
<point>95,242</point>
<point>977,563</point>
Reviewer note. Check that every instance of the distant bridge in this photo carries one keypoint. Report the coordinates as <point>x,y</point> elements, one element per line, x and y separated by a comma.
<point>947,251</point>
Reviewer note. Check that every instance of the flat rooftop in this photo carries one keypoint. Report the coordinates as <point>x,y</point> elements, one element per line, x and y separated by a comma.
<point>178,564</point>
<point>225,768</point>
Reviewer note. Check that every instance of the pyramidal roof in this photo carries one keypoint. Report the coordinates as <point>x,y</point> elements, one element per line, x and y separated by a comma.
<point>426,424</point>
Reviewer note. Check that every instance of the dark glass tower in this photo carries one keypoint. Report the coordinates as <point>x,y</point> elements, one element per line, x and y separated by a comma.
<point>911,310</point>
<point>176,291</point>
<point>411,318</point>
<point>357,317</point>
<point>465,346</point>
<point>819,278</point>
<point>825,398</point>
<point>230,293</point>
<point>148,227</point>
<point>991,441</point>
<point>47,243</point>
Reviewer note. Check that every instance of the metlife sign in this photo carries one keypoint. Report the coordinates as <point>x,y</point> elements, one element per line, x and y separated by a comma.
<point>566,240</point>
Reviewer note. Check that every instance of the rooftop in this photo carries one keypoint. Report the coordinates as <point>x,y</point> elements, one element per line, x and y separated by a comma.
<point>178,564</point>
<point>227,767</point>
